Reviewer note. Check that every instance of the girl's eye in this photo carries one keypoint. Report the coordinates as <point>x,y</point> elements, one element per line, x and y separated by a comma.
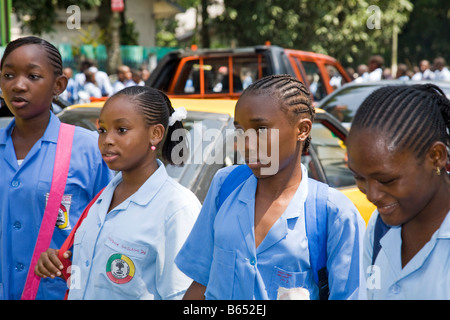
<point>386,182</point>
<point>122,130</point>
<point>7,75</point>
<point>101,130</point>
<point>34,76</point>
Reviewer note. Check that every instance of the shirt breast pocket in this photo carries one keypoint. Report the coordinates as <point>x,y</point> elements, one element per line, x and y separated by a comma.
<point>289,285</point>
<point>122,266</point>
<point>221,277</point>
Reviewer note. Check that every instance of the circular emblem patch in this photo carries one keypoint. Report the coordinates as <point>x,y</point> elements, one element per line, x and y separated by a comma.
<point>120,268</point>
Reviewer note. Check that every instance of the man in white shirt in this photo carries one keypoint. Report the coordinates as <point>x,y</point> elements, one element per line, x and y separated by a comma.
<point>441,71</point>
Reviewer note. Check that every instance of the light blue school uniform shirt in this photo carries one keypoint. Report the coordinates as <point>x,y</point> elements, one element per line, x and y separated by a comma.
<point>129,252</point>
<point>425,276</point>
<point>23,194</point>
<point>220,252</point>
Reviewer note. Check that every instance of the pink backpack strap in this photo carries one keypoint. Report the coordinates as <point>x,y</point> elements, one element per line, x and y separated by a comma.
<point>59,179</point>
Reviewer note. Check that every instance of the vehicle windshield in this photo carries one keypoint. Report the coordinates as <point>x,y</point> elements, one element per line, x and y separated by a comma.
<point>344,104</point>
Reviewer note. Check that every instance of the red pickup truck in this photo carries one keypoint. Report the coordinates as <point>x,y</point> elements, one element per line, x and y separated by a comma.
<point>225,73</point>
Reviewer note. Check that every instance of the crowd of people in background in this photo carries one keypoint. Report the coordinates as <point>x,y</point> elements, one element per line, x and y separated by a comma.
<point>375,71</point>
<point>90,83</point>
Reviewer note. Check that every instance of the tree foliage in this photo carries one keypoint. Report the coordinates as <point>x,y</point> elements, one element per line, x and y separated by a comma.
<point>338,28</point>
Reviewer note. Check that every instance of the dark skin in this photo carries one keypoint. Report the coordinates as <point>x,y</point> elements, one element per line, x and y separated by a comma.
<point>28,84</point>
<point>124,141</point>
<point>406,190</point>
<point>274,192</point>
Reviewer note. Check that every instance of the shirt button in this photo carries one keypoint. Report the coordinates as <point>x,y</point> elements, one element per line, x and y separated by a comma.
<point>86,263</point>
<point>15,183</point>
<point>395,289</point>
<point>17,225</point>
<point>19,267</point>
<point>252,261</point>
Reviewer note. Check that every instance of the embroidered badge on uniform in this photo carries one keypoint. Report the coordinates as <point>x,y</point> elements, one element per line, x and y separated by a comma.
<point>63,221</point>
<point>120,268</point>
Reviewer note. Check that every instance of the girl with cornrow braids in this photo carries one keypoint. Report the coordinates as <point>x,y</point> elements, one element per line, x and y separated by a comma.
<point>255,244</point>
<point>398,151</point>
<point>133,231</point>
<point>30,78</point>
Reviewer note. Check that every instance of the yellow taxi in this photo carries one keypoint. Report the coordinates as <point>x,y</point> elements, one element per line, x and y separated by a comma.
<point>326,159</point>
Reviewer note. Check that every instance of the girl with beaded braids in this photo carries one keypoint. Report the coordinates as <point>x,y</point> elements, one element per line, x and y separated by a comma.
<point>30,77</point>
<point>254,244</point>
<point>126,246</point>
<point>398,151</point>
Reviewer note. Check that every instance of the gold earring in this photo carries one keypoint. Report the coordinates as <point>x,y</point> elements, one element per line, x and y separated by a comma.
<point>438,171</point>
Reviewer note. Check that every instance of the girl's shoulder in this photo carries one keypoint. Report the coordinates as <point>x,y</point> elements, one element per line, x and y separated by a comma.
<point>340,207</point>
<point>84,138</point>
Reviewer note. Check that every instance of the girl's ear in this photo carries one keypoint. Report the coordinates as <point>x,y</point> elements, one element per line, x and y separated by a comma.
<point>304,126</point>
<point>437,154</point>
<point>60,85</point>
<point>156,134</point>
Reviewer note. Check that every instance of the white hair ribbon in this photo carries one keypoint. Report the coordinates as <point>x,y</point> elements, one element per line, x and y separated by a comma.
<point>178,115</point>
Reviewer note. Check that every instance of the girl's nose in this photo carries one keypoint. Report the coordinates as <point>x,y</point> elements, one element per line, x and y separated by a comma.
<point>372,192</point>
<point>19,85</point>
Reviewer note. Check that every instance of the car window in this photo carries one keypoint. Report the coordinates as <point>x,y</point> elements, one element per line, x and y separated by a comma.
<point>316,85</point>
<point>344,104</point>
<point>245,70</point>
<point>332,154</point>
<point>199,127</point>
<point>189,78</point>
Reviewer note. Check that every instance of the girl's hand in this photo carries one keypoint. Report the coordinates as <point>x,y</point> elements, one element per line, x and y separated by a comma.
<point>49,264</point>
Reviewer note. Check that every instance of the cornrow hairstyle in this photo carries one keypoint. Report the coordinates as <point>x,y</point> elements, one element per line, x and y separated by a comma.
<point>53,54</point>
<point>412,116</point>
<point>157,108</point>
<point>294,96</point>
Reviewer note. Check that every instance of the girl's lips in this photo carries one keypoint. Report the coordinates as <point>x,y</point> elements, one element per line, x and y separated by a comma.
<point>109,157</point>
<point>387,209</point>
<point>19,102</point>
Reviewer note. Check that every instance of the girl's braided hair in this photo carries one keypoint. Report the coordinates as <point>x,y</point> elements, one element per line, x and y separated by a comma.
<point>293,95</point>
<point>53,54</point>
<point>412,116</point>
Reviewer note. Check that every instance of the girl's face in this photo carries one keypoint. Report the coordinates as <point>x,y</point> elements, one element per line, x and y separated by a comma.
<point>28,82</point>
<point>262,115</point>
<point>124,138</point>
<point>395,181</point>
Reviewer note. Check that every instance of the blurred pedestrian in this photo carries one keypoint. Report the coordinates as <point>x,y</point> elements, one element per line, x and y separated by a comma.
<point>253,244</point>
<point>441,71</point>
<point>424,71</point>
<point>398,152</point>
<point>90,89</point>
<point>141,219</point>
<point>123,78</point>
<point>136,78</point>
<point>402,71</point>
<point>101,78</point>
<point>362,73</point>
<point>375,66</point>
<point>70,94</point>
<point>32,77</point>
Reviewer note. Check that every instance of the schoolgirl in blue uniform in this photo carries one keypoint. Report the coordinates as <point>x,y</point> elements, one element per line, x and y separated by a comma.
<point>126,246</point>
<point>31,76</point>
<point>398,151</point>
<point>255,245</point>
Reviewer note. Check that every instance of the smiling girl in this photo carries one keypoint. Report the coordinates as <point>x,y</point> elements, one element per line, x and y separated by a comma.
<point>31,77</point>
<point>398,151</point>
<point>125,247</point>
